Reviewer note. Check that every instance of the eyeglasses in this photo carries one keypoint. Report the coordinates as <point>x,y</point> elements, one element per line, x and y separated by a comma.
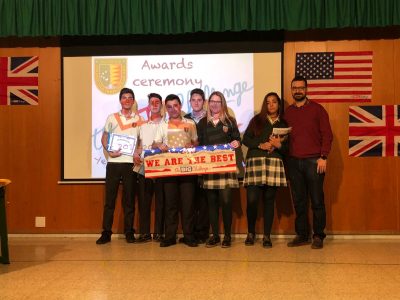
<point>214,102</point>
<point>298,88</point>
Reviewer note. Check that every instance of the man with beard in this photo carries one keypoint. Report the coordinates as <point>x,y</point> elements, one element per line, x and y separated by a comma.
<point>309,146</point>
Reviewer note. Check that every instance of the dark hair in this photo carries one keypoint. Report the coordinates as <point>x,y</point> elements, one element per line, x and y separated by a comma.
<point>154,95</point>
<point>126,91</point>
<point>258,122</point>
<point>199,92</point>
<point>171,97</point>
<point>299,78</point>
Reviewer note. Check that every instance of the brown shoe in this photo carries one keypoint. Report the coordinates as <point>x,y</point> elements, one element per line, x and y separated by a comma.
<point>317,243</point>
<point>298,241</point>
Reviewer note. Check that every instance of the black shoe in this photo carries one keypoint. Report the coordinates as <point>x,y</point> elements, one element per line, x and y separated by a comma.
<point>130,237</point>
<point>157,237</point>
<point>298,241</point>
<point>213,241</point>
<point>181,240</point>
<point>201,240</point>
<point>267,242</point>
<point>317,243</point>
<point>143,238</point>
<point>226,243</point>
<point>249,239</point>
<point>104,238</point>
<point>167,243</point>
<point>190,242</point>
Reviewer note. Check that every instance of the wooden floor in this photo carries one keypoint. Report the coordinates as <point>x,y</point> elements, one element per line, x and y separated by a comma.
<point>77,268</point>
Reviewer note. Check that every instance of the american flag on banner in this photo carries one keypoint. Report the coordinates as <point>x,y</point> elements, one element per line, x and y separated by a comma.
<point>19,80</point>
<point>374,130</point>
<point>337,76</point>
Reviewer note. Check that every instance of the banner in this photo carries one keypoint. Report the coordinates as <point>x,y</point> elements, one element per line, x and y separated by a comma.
<point>190,161</point>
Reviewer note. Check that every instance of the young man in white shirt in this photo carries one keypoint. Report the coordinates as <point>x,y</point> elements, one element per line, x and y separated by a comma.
<point>120,168</point>
<point>147,186</point>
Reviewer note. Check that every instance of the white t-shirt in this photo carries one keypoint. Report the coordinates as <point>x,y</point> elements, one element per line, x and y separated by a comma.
<point>119,124</point>
<point>147,134</point>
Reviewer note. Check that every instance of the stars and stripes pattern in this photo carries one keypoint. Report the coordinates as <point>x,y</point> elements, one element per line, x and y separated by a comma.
<point>374,130</point>
<point>218,160</point>
<point>192,150</point>
<point>337,76</point>
<point>19,80</point>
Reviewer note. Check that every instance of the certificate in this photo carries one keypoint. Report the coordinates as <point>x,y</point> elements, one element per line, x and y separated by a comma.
<point>126,144</point>
<point>281,131</point>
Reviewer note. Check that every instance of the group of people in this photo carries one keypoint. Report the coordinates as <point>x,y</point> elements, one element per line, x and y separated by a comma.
<point>196,198</point>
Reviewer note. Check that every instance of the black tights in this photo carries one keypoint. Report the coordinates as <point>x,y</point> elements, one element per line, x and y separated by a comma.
<point>224,197</point>
<point>253,195</point>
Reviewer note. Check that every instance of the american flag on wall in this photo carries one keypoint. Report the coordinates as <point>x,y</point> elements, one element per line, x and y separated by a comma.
<point>337,76</point>
<point>374,130</point>
<point>19,80</point>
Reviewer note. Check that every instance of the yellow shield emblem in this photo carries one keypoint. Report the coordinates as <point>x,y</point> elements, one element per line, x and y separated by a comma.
<point>110,74</point>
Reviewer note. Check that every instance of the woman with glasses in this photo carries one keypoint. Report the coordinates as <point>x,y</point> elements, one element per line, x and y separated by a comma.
<point>219,128</point>
<point>264,166</point>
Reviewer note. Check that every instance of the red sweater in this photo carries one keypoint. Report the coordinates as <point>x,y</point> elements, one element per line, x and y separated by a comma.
<point>311,134</point>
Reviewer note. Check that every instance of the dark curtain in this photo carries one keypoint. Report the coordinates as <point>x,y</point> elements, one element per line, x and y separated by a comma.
<point>125,17</point>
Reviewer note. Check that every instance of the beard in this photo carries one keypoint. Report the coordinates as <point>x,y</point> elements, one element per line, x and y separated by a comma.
<point>299,97</point>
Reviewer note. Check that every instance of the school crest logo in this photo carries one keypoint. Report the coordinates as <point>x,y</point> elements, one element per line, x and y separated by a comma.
<point>110,74</point>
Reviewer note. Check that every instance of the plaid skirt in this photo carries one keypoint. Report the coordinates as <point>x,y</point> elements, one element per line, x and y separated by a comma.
<point>220,181</point>
<point>264,171</point>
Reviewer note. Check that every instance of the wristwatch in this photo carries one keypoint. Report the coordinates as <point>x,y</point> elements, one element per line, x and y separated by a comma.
<point>323,157</point>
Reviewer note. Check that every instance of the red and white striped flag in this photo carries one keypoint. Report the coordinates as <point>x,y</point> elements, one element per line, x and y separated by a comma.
<point>337,76</point>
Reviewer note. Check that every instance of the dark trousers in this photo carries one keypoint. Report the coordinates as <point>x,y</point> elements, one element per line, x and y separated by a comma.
<point>116,172</point>
<point>147,188</point>
<point>201,214</point>
<point>215,198</point>
<point>253,195</point>
<point>304,182</point>
<point>179,190</point>
<point>159,218</point>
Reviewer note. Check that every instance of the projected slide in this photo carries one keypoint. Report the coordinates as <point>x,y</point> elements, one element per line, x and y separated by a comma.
<point>168,74</point>
<point>91,86</point>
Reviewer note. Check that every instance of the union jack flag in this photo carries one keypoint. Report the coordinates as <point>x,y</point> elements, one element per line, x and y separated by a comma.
<point>337,76</point>
<point>19,80</point>
<point>374,130</point>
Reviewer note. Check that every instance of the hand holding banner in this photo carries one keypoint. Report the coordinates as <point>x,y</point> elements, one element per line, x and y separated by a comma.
<point>190,161</point>
<point>123,143</point>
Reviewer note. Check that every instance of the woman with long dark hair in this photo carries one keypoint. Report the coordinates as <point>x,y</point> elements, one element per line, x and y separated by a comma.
<point>264,166</point>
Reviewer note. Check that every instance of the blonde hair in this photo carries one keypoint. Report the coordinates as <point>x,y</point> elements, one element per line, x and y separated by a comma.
<point>224,115</point>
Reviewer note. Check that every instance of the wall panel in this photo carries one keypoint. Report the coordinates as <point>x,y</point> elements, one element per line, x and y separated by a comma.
<point>362,194</point>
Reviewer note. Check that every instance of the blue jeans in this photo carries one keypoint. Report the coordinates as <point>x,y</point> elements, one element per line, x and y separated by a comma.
<point>304,182</point>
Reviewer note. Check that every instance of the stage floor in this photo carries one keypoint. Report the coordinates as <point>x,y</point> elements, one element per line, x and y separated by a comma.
<point>76,268</point>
